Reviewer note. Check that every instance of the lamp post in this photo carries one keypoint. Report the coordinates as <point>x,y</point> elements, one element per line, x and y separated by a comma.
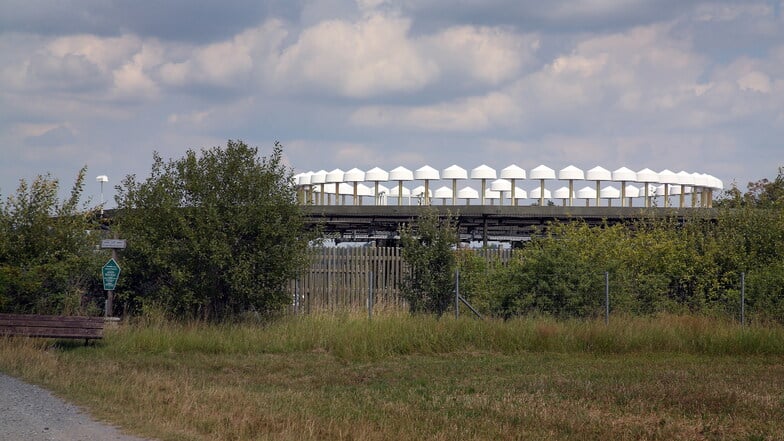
<point>102,179</point>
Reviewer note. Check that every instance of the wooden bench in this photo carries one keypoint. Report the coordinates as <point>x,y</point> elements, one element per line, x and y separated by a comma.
<point>52,326</point>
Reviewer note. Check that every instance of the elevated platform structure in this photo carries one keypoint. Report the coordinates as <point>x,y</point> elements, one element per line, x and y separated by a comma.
<point>478,223</point>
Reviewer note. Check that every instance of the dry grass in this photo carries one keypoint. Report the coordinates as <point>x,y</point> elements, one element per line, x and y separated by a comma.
<point>419,378</point>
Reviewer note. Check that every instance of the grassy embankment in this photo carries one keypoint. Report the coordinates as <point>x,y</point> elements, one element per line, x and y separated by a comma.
<point>399,377</point>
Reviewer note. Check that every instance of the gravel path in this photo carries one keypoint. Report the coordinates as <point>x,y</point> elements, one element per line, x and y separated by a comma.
<point>30,413</point>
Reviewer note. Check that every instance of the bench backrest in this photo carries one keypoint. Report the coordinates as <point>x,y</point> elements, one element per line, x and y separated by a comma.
<point>52,326</point>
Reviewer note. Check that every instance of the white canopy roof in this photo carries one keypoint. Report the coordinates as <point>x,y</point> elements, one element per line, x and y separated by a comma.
<point>667,177</point>
<point>647,175</point>
<point>454,172</point>
<point>354,175</point>
<point>542,172</point>
<point>610,192</point>
<point>394,190</point>
<point>512,172</point>
<point>598,174</point>
<point>561,193</point>
<point>376,174</point>
<point>536,193</point>
<point>483,172</point>
<point>401,174</point>
<point>519,193</point>
<point>624,174</point>
<point>570,173</point>
<point>632,191</point>
<point>420,191</point>
<point>467,193</point>
<point>443,192</point>
<point>426,173</point>
<point>501,185</point>
<point>319,177</point>
<point>335,175</point>
<point>586,192</point>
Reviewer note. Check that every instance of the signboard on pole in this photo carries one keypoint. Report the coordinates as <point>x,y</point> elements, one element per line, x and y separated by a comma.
<point>117,244</point>
<point>110,272</point>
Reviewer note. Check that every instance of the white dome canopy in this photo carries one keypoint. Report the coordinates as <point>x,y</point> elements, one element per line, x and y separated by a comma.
<point>610,192</point>
<point>624,174</point>
<point>570,173</point>
<point>492,194</point>
<point>454,172</point>
<point>319,177</point>
<point>519,193</point>
<point>354,175</point>
<point>501,185</point>
<point>395,191</point>
<point>668,177</point>
<point>651,191</point>
<point>536,193</point>
<point>401,174</point>
<point>561,193</point>
<point>512,172</point>
<point>467,193</point>
<point>364,190</point>
<point>598,174</point>
<point>335,175</point>
<point>443,192</point>
<point>632,191</point>
<point>586,193</point>
<point>344,188</point>
<point>426,173</point>
<point>647,175</point>
<point>483,172</point>
<point>685,178</point>
<point>376,174</point>
<point>304,178</point>
<point>542,172</point>
<point>672,189</point>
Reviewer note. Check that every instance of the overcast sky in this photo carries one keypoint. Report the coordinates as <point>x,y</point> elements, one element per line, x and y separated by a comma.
<point>677,84</point>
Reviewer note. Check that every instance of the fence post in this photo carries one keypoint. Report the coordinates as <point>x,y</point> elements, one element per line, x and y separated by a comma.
<point>743,298</point>
<point>370,296</point>
<point>606,297</point>
<point>457,292</point>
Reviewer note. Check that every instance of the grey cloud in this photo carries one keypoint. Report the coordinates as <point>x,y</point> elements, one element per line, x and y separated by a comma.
<point>182,20</point>
<point>51,138</point>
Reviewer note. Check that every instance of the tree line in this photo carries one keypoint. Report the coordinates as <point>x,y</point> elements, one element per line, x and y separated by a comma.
<point>216,234</point>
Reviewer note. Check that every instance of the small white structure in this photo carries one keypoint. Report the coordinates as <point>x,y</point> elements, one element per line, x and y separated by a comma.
<point>492,195</point>
<point>686,181</point>
<point>400,192</point>
<point>467,193</point>
<point>400,174</point>
<point>624,175</point>
<point>483,173</point>
<point>542,173</point>
<point>422,194</point>
<point>571,173</point>
<point>598,174</point>
<point>443,193</point>
<point>377,175</point>
<point>609,192</point>
<point>427,174</point>
<point>588,193</point>
<point>537,193</point>
<point>319,178</point>
<point>354,176</point>
<point>455,173</point>
<point>516,194</point>
<point>667,178</point>
<point>648,177</point>
<point>564,195</point>
<point>500,186</point>
<point>334,177</point>
<point>513,173</point>
<point>631,192</point>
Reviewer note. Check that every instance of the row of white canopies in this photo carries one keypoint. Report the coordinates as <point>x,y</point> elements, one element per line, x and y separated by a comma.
<point>319,187</point>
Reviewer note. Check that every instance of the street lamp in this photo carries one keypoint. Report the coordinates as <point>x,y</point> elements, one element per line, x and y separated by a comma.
<point>102,179</point>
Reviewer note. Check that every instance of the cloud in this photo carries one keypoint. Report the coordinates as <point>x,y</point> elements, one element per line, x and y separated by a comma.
<point>367,58</point>
<point>57,136</point>
<point>463,115</point>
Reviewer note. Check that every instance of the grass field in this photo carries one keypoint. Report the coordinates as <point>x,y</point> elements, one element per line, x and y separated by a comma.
<point>399,377</point>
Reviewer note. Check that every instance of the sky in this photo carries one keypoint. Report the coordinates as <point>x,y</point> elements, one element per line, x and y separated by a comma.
<point>676,84</point>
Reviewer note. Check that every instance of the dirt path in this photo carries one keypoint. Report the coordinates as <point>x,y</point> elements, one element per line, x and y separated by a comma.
<point>31,413</point>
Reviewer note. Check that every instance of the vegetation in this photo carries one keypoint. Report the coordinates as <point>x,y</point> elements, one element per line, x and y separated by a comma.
<point>47,258</point>
<point>428,245</point>
<point>416,377</point>
<point>213,234</point>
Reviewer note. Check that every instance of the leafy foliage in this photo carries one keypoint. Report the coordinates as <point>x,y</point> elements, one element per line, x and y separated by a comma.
<point>47,260</point>
<point>428,244</point>
<point>211,235</point>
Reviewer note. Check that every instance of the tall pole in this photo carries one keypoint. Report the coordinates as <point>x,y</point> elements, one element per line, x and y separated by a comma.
<point>457,292</point>
<point>606,297</point>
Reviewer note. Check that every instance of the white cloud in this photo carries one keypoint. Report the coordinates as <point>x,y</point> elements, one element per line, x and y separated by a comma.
<point>371,57</point>
<point>488,55</point>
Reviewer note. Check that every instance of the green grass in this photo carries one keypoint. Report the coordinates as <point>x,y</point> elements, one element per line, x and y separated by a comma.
<point>401,377</point>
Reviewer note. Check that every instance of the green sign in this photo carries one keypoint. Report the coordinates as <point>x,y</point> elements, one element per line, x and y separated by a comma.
<point>111,272</point>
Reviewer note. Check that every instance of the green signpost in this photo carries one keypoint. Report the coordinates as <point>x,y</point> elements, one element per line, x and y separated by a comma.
<point>110,272</point>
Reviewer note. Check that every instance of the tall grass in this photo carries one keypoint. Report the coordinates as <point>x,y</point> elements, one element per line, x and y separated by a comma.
<point>354,337</point>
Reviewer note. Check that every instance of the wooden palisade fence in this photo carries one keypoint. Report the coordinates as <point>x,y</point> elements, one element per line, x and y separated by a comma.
<point>339,279</point>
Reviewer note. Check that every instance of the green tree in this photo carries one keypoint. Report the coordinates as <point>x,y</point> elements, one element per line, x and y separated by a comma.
<point>428,251</point>
<point>47,260</point>
<point>212,234</point>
